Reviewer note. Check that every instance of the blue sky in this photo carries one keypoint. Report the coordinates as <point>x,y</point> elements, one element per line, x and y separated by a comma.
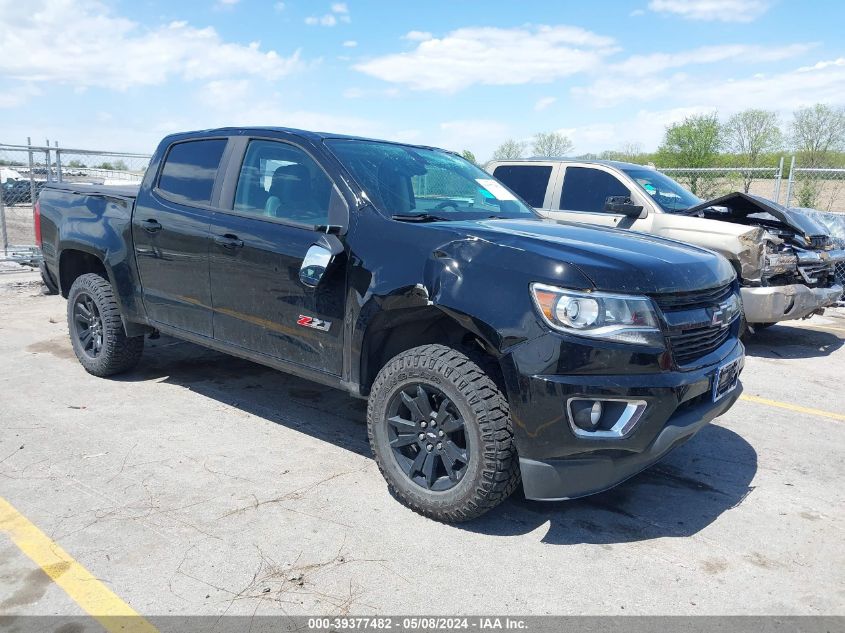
<point>118,75</point>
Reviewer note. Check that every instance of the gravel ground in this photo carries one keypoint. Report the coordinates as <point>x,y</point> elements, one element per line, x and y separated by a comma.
<point>203,484</point>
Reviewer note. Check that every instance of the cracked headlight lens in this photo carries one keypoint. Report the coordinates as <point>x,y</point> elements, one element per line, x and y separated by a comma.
<point>624,318</point>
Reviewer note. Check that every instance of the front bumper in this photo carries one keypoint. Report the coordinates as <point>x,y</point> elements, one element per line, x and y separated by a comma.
<point>559,479</point>
<point>544,374</point>
<point>781,303</point>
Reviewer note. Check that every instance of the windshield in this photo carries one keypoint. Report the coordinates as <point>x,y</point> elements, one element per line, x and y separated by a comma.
<point>410,182</point>
<point>666,192</point>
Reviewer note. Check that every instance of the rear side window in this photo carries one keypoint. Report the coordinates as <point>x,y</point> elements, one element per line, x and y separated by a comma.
<point>190,169</point>
<point>587,189</point>
<point>529,181</point>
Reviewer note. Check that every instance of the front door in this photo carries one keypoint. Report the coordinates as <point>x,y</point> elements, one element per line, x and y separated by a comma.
<point>170,234</point>
<point>257,251</point>
<point>583,195</point>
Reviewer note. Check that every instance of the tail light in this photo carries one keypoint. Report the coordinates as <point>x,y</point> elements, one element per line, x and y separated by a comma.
<point>36,217</point>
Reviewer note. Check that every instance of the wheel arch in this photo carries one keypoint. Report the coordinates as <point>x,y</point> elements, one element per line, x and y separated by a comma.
<point>392,332</point>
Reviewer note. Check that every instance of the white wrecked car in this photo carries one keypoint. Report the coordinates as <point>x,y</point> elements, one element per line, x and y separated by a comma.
<point>785,260</point>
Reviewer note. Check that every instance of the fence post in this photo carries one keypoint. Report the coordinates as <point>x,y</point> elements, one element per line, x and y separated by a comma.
<point>790,181</point>
<point>3,221</point>
<point>58,162</point>
<point>47,160</point>
<point>31,174</point>
<point>778,179</point>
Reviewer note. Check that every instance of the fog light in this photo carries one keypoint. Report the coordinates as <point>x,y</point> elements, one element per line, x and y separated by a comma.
<point>608,418</point>
<point>587,416</point>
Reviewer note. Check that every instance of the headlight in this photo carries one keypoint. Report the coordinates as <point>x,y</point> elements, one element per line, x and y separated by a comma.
<point>624,318</point>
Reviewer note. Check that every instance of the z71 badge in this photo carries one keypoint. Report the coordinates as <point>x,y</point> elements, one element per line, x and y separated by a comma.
<point>317,324</point>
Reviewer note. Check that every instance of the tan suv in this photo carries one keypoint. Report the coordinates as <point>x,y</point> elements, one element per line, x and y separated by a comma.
<point>785,260</point>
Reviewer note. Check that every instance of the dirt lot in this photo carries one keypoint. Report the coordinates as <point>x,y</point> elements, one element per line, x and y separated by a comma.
<point>202,484</point>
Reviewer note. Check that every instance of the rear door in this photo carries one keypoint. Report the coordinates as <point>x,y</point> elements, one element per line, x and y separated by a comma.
<point>279,197</point>
<point>582,196</point>
<point>533,182</point>
<point>170,235</point>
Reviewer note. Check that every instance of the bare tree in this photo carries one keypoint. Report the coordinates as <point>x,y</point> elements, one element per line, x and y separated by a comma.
<point>630,150</point>
<point>816,131</point>
<point>509,150</point>
<point>750,134</point>
<point>548,144</point>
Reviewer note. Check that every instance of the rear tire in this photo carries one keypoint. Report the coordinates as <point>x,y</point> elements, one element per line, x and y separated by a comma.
<point>440,432</point>
<point>96,330</point>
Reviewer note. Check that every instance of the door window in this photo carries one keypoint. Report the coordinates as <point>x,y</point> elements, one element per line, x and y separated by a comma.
<point>279,180</point>
<point>190,169</point>
<point>587,189</point>
<point>529,181</point>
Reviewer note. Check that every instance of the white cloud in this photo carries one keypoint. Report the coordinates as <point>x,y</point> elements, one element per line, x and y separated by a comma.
<point>641,77</point>
<point>417,36</point>
<point>783,91</point>
<point>278,7</point>
<point>712,10</point>
<point>350,44</point>
<point>480,135</point>
<point>642,65</point>
<point>339,12</point>
<point>84,44</point>
<point>223,101</point>
<point>636,13</point>
<point>493,56</point>
<point>324,20</point>
<point>544,103</point>
<point>17,95</point>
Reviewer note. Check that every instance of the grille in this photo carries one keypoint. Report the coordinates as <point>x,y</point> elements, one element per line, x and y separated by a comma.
<point>692,300</point>
<point>693,344</point>
<point>812,272</point>
<point>819,241</point>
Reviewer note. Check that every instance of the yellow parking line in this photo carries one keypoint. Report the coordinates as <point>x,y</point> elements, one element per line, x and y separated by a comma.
<point>83,588</point>
<point>792,407</point>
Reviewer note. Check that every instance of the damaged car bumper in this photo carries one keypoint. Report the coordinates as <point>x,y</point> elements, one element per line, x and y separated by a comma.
<point>781,303</point>
<point>658,408</point>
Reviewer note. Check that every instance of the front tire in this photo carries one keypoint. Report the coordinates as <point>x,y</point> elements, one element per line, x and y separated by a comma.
<point>96,330</point>
<point>440,431</point>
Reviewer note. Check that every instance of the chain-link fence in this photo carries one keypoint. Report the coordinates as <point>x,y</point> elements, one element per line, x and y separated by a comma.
<point>817,188</point>
<point>711,182</point>
<point>26,169</point>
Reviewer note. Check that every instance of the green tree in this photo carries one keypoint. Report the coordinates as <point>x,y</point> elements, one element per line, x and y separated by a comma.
<point>76,164</point>
<point>468,155</point>
<point>694,142</point>
<point>509,150</point>
<point>549,144</point>
<point>750,135</point>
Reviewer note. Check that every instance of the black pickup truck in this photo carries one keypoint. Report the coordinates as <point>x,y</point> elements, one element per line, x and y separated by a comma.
<point>493,345</point>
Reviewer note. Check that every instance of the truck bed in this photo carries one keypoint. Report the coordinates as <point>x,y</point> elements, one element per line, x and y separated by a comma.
<point>116,191</point>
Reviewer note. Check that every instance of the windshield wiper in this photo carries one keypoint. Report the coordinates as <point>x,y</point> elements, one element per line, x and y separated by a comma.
<point>418,217</point>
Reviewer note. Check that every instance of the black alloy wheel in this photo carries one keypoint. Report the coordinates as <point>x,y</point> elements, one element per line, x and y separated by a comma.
<point>427,436</point>
<point>88,325</point>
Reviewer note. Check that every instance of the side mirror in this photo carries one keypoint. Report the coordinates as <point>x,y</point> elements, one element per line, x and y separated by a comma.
<point>318,258</point>
<point>623,205</point>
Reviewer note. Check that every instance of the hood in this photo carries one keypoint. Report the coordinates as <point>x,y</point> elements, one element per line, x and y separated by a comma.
<point>741,205</point>
<point>613,260</point>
